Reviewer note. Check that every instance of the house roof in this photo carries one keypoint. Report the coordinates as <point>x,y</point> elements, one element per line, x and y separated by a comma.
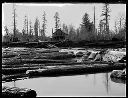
<point>59,31</point>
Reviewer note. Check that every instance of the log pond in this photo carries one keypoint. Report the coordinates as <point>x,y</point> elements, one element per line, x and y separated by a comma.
<point>99,84</point>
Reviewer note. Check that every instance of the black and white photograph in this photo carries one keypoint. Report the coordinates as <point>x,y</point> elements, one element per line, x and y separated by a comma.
<point>63,49</point>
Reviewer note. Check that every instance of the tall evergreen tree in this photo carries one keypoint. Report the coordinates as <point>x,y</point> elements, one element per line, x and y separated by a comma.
<point>86,22</point>
<point>57,21</point>
<point>87,28</point>
<point>36,29</point>
<point>44,24</point>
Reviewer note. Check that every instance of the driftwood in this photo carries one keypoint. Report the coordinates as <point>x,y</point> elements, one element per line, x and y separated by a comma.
<point>18,92</point>
<point>119,74</point>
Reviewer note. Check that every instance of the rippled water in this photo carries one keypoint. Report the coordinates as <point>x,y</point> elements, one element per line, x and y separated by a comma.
<point>99,84</point>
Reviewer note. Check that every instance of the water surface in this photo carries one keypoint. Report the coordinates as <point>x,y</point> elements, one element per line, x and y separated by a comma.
<point>99,84</point>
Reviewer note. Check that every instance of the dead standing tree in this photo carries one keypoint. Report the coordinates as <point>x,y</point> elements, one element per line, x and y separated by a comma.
<point>101,30</point>
<point>14,24</point>
<point>25,28</point>
<point>43,30</point>
<point>94,29</point>
<point>30,31</point>
<point>105,14</point>
<point>30,28</point>
<point>120,29</point>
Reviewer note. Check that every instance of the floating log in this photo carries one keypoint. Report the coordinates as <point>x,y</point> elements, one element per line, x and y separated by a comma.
<point>88,53</point>
<point>18,70</point>
<point>18,92</point>
<point>76,69</point>
<point>8,55</point>
<point>45,61</point>
<point>58,64</point>
<point>79,54</point>
<point>23,69</point>
<point>119,74</point>
<point>86,56</point>
<point>14,77</point>
<point>11,61</point>
<point>57,56</point>
<point>92,56</point>
<point>34,61</point>
<point>98,57</point>
<point>22,65</point>
<point>12,73</point>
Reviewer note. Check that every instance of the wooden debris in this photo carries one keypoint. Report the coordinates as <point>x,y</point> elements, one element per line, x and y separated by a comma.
<point>120,74</point>
<point>18,92</point>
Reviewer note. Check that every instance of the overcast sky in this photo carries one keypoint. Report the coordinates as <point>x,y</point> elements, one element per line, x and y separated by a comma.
<point>69,13</point>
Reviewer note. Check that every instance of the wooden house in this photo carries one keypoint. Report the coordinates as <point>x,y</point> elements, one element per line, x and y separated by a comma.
<point>59,35</point>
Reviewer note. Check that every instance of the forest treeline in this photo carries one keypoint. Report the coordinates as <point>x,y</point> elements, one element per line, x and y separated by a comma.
<point>87,31</point>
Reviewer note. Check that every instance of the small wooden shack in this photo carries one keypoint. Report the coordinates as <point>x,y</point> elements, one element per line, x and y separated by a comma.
<point>59,35</point>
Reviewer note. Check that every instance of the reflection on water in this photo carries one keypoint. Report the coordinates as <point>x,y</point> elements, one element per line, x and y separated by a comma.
<point>77,85</point>
<point>106,82</point>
